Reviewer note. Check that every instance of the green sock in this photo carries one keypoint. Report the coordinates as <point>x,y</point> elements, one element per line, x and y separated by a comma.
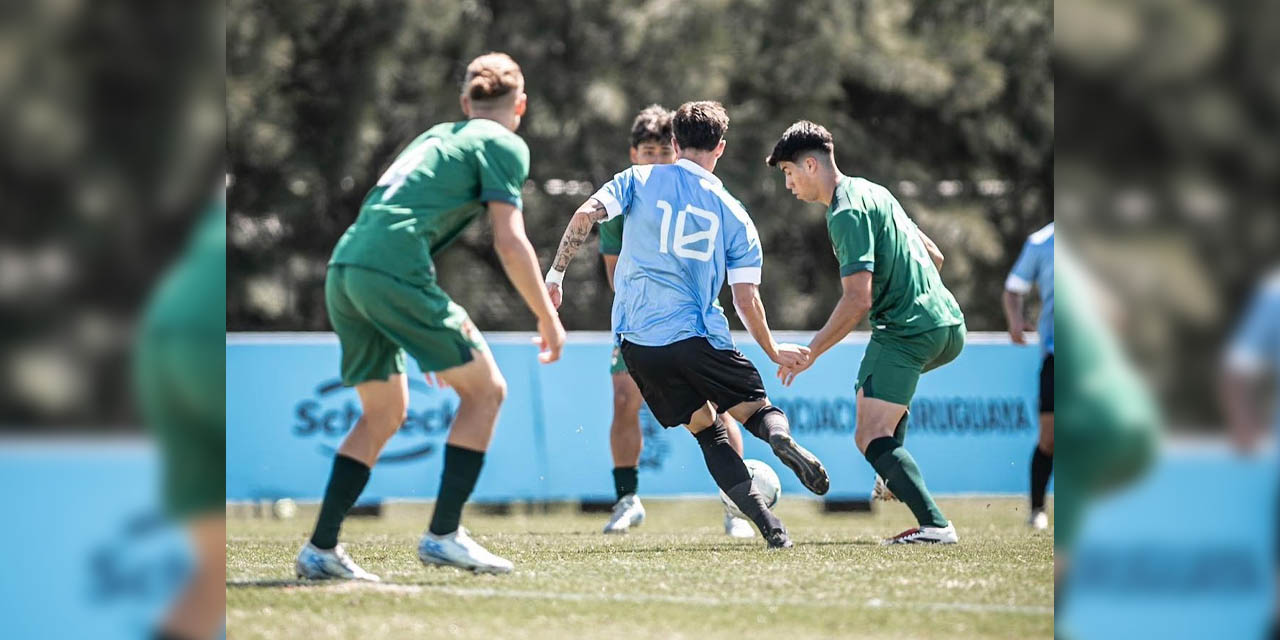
<point>461,469</point>
<point>625,480</point>
<point>346,481</point>
<point>900,431</point>
<point>895,464</point>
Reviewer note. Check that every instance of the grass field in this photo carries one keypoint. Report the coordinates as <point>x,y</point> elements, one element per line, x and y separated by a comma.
<point>677,576</point>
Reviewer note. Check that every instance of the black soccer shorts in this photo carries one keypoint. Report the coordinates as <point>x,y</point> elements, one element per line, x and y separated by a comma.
<point>676,380</point>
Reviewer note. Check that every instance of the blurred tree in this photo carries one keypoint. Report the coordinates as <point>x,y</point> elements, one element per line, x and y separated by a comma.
<point>950,105</point>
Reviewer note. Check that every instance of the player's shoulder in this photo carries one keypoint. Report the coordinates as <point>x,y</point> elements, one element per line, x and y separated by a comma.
<point>1043,237</point>
<point>1270,287</point>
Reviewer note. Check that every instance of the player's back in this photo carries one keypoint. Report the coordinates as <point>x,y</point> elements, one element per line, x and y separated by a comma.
<point>870,231</point>
<point>685,235</point>
<point>436,187</point>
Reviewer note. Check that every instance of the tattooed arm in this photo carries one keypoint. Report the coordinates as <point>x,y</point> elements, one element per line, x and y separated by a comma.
<point>591,212</point>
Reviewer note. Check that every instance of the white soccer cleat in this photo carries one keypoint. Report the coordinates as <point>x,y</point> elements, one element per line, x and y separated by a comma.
<point>627,513</point>
<point>736,527</point>
<point>881,491</point>
<point>926,535</point>
<point>1039,520</point>
<point>457,549</point>
<point>332,564</point>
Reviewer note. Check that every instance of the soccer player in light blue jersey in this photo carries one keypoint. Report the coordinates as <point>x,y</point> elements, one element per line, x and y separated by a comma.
<point>685,236</point>
<point>1254,352</point>
<point>1035,268</point>
<point>651,143</point>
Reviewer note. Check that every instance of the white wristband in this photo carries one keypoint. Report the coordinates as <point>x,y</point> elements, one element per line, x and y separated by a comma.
<point>555,277</point>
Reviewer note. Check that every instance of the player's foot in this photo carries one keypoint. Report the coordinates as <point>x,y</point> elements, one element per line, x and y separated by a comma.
<point>926,535</point>
<point>736,527</point>
<point>881,491</point>
<point>1039,520</point>
<point>778,539</point>
<point>330,564</point>
<point>627,513</point>
<point>457,549</point>
<point>806,465</point>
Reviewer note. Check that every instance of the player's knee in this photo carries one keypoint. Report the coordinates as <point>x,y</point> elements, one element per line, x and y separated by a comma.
<point>626,400</point>
<point>1046,434</point>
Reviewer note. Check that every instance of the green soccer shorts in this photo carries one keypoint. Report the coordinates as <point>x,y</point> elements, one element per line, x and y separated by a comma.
<point>892,365</point>
<point>180,380</point>
<point>617,364</point>
<point>379,317</point>
<point>1107,435</point>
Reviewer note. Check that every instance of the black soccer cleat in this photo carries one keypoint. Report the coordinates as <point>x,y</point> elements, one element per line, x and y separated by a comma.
<point>778,539</point>
<point>806,465</point>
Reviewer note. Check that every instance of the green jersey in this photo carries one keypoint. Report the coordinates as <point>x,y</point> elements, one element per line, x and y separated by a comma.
<point>436,187</point>
<point>611,236</point>
<point>870,232</point>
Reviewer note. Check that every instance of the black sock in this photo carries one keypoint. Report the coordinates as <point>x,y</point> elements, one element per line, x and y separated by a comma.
<point>1041,468</point>
<point>731,475</point>
<point>766,422</point>
<point>461,469</point>
<point>346,481</point>
<point>625,480</point>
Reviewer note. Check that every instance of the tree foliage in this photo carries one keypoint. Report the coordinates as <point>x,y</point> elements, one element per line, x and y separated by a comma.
<point>950,105</point>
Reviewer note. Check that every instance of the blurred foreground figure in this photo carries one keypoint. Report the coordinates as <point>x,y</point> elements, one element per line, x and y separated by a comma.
<point>1109,423</point>
<point>180,375</point>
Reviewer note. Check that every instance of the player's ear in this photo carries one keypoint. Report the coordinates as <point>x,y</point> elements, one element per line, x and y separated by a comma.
<point>720,147</point>
<point>810,164</point>
<point>522,103</point>
<point>634,156</point>
<point>465,101</point>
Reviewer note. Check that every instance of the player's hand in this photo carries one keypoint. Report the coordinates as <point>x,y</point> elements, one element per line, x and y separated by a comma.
<point>790,355</point>
<point>788,374</point>
<point>550,340</point>
<point>1016,333</point>
<point>556,294</point>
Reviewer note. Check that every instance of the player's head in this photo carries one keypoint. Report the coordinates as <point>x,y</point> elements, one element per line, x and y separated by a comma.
<point>651,137</point>
<point>699,127</point>
<point>494,88</point>
<point>805,153</point>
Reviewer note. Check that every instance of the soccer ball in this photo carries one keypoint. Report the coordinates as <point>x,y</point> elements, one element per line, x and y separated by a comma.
<point>764,480</point>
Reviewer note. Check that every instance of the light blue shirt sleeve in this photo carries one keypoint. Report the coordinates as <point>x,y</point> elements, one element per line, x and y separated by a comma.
<point>1026,270</point>
<point>1255,346</point>
<point>616,194</point>
<point>743,255</point>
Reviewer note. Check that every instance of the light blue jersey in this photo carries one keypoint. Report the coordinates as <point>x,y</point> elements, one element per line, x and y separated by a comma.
<point>685,236</point>
<point>1035,266</point>
<point>1255,347</point>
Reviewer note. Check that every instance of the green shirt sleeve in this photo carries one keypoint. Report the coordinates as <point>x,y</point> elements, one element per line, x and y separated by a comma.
<point>611,236</point>
<point>504,166</point>
<point>853,240</point>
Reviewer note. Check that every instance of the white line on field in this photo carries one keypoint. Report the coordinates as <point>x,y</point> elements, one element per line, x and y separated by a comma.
<point>710,601</point>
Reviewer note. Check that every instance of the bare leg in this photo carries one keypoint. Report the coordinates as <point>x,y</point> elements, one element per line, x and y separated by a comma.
<point>200,611</point>
<point>385,403</point>
<point>626,441</point>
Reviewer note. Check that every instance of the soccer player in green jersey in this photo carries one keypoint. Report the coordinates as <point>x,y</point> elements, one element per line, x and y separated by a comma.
<point>888,269</point>
<point>383,300</point>
<point>650,144</point>
<point>180,381</point>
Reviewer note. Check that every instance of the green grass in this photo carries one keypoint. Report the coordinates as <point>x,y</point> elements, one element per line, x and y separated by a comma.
<point>678,576</point>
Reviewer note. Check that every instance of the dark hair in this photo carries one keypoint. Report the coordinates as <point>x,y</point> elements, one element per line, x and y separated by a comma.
<point>492,76</point>
<point>800,138</point>
<point>700,125</point>
<point>651,125</point>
